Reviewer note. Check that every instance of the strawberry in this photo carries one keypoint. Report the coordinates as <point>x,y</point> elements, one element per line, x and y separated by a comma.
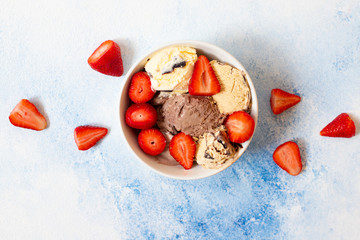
<point>240,126</point>
<point>26,115</point>
<point>287,156</point>
<point>281,100</point>
<point>182,148</point>
<point>341,126</point>
<point>140,88</point>
<point>87,136</point>
<point>152,141</point>
<point>141,116</point>
<point>203,81</point>
<point>107,59</point>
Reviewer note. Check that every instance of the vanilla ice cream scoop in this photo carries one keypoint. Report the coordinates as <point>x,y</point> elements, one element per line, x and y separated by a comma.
<point>235,94</point>
<point>171,68</point>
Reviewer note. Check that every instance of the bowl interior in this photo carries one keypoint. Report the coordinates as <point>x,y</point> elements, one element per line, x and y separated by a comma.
<point>196,172</point>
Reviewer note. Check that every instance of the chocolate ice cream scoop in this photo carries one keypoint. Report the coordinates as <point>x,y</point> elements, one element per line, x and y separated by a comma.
<point>193,115</point>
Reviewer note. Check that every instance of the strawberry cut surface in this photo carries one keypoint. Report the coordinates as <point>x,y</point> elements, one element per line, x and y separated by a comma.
<point>183,148</point>
<point>341,126</point>
<point>281,100</point>
<point>140,88</point>
<point>107,59</point>
<point>87,136</point>
<point>203,81</point>
<point>26,115</point>
<point>240,126</point>
<point>287,156</point>
<point>141,116</point>
<point>152,141</point>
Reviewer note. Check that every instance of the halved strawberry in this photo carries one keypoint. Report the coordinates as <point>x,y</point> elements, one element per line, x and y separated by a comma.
<point>281,100</point>
<point>140,88</point>
<point>287,156</point>
<point>240,126</point>
<point>26,115</point>
<point>141,116</point>
<point>183,148</point>
<point>203,81</point>
<point>341,126</point>
<point>107,59</point>
<point>152,141</point>
<point>87,136</point>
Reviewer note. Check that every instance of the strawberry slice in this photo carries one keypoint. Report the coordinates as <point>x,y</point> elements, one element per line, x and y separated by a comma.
<point>107,59</point>
<point>182,148</point>
<point>281,100</point>
<point>203,81</point>
<point>141,116</point>
<point>140,88</point>
<point>152,141</point>
<point>287,156</point>
<point>240,126</point>
<point>26,115</point>
<point>341,126</point>
<point>87,136</point>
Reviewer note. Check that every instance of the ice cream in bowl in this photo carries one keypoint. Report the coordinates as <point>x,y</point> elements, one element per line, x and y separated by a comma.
<point>188,110</point>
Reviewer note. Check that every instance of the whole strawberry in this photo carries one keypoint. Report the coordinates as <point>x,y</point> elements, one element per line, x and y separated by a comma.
<point>152,141</point>
<point>140,88</point>
<point>141,116</point>
<point>341,126</point>
<point>107,59</point>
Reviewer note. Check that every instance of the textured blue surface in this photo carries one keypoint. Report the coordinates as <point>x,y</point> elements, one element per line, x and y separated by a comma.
<point>50,190</point>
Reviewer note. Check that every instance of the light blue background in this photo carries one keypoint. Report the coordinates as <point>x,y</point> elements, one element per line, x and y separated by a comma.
<point>50,190</point>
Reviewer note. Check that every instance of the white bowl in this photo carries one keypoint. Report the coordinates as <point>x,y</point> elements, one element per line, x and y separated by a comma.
<point>130,135</point>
